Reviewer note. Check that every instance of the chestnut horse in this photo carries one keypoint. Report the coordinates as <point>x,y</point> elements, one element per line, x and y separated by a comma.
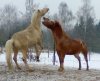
<point>22,40</point>
<point>66,45</point>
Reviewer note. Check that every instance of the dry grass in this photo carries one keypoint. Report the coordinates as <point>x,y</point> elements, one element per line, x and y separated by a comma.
<point>48,73</point>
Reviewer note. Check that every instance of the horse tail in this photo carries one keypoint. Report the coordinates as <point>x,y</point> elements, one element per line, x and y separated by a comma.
<point>8,48</point>
<point>84,47</point>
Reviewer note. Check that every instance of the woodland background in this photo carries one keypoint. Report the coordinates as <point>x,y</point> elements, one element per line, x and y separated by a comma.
<point>82,25</point>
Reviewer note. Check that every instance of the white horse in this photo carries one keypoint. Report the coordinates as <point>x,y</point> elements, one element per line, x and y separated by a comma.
<point>30,37</point>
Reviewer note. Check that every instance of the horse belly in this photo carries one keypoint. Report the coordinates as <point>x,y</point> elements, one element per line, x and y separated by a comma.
<point>71,51</point>
<point>32,40</point>
<point>31,44</point>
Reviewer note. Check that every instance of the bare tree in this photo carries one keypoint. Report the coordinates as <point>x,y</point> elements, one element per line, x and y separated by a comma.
<point>65,16</point>
<point>9,17</point>
<point>87,13</point>
<point>30,8</point>
<point>85,18</point>
<point>8,22</point>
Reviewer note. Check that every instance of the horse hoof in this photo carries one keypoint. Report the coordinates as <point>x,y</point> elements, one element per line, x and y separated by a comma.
<point>18,68</point>
<point>79,69</point>
<point>61,69</point>
<point>38,61</point>
<point>30,70</point>
<point>87,69</point>
<point>10,70</point>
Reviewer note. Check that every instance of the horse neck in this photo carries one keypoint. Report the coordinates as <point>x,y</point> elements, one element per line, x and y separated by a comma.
<point>59,34</point>
<point>35,22</point>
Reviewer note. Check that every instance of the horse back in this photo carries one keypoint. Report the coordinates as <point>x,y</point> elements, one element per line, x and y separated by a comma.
<point>71,46</point>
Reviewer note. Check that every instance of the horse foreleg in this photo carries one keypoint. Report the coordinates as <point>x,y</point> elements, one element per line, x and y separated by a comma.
<point>15,57</point>
<point>41,42</point>
<point>24,52</point>
<point>38,51</point>
<point>61,59</point>
<point>79,60</point>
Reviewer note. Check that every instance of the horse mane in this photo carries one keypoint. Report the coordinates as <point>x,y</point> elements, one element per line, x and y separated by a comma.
<point>35,18</point>
<point>58,26</point>
<point>60,30</point>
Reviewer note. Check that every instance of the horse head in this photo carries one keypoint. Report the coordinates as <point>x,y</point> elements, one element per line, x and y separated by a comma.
<point>38,14</point>
<point>43,11</point>
<point>51,24</point>
<point>48,23</point>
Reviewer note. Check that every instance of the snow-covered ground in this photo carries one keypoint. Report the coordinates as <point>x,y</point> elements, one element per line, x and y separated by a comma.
<point>46,71</point>
<point>70,60</point>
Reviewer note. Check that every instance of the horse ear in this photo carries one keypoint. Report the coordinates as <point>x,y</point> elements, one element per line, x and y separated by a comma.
<point>56,22</point>
<point>38,10</point>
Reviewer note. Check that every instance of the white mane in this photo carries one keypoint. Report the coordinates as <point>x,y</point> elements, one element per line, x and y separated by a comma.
<point>35,18</point>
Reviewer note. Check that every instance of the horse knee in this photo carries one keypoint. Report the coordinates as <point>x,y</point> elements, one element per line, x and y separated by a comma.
<point>77,56</point>
<point>61,61</point>
<point>24,60</point>
<point>41,47</point>
<point>15,59</point>
<point>61,58</point>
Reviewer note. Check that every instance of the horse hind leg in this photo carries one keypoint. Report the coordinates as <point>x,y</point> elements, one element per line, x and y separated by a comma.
<point>24,52</point>
<point>86,59</point>
<point>15,57</point>
<point>79,60</point>
<point>85,52</point>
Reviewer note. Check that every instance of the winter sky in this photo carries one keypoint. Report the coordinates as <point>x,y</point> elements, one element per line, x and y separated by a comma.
<point>74,5</point>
